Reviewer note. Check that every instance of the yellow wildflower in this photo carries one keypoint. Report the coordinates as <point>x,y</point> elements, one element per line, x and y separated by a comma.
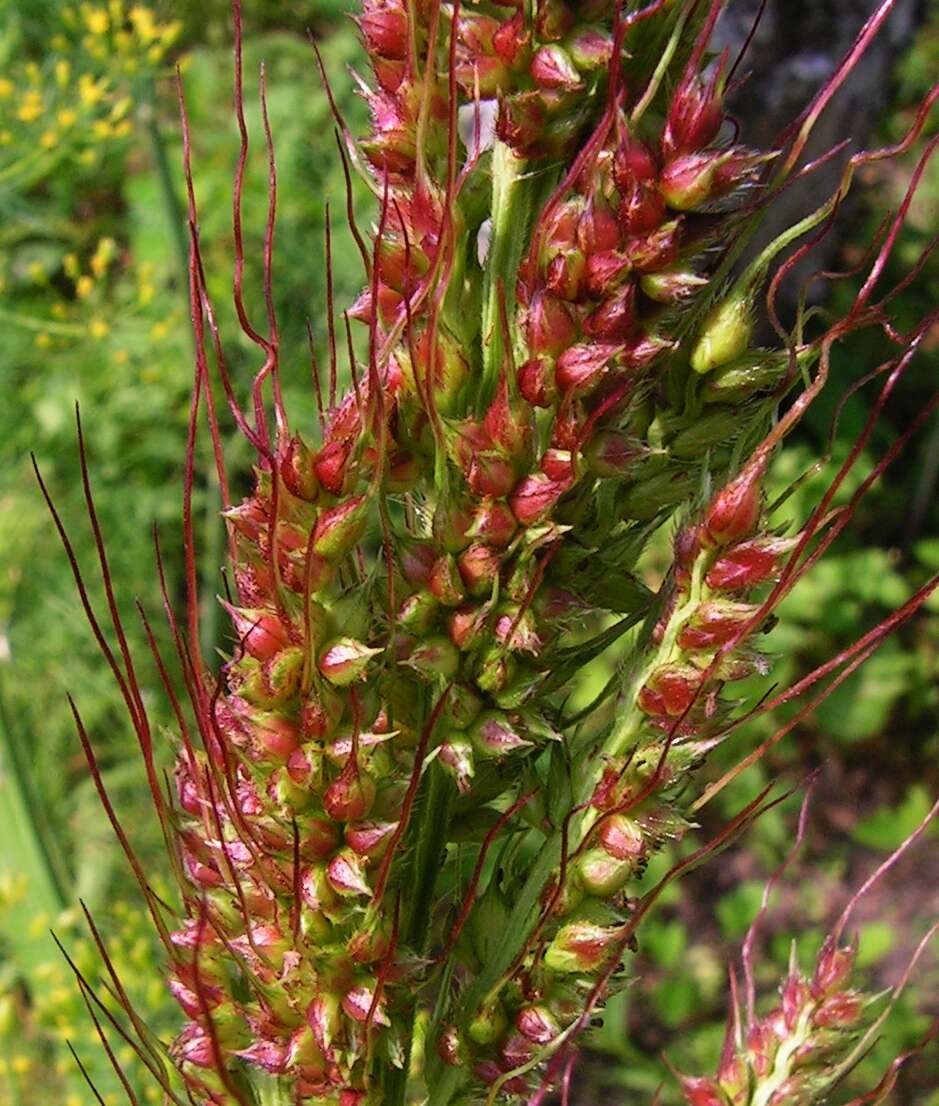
<point>36,271</point>
<point>98,328</point>
<point>84,286</point>
<point>143,23</point>
<point>66,117</point>
<point>171,32</point>
<point>9,1018</point>
<point>5,138</point>
<point>90,91</point>
<point>48,139</point>
<point>6,88</point>
<point>31,107</point>
<point>63,70</point>
<point>20,1063</point>
<point>96,20</point>
<point>12,888</point>
<point>97,47</point>
<point>101,128</point>
<point>43,340</point>
<point>103,256</point>
<point>121,108</point>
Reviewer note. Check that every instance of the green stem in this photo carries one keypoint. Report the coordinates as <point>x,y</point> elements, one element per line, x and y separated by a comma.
<point>29,847</point>
<point>772,1084</point>
<point>627,733</point>
<point>755,273</point>
<point>211,558</point>
<point>43,326</point>
<point>660,70</point>
<point>27,161</point>
<point>748,283</point>
<point>428,856</point>
<point>510,203</point>
<point>175,213</point>
<point>15,750</point>
<point>632,721</point>
<point>273,1092</point>
<point>430,842</point>
<point>517,928</point>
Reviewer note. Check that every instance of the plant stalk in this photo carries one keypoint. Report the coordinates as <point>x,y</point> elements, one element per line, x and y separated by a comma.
<point>511,201</point>
<point>431,838</point>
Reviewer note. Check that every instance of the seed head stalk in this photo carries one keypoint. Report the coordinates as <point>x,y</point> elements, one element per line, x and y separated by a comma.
<point>407,871</point>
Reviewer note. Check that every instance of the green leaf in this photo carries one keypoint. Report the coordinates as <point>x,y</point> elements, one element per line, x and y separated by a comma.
<point>874,942</point>
<point>888,827</point>
<point>862,705</point>
<point>31,894</point>
<point>927,553</point>
<point>676,999</point>
<point>737,909</point>
<point>665,942</point>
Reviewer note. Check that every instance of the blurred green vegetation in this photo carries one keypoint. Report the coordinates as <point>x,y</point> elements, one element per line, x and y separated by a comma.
<point>93,302</point>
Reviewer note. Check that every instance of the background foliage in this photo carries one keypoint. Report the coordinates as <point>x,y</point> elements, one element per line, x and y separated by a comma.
<point>93,305</point>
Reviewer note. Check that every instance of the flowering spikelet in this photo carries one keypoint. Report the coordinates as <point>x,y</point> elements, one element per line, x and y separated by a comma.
<point>791,1054</point>
<point>799,1050</point>
<point>552,372</point>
